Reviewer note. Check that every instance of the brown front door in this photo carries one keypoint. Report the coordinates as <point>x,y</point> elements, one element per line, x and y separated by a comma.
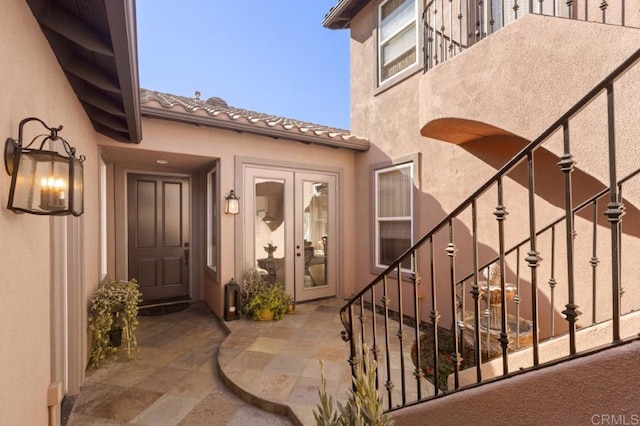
<point>158,220</point>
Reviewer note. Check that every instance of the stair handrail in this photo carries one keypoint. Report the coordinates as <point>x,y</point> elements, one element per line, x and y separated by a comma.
<point>513,162</point>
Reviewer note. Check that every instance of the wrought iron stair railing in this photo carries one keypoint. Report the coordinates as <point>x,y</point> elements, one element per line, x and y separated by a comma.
<point>396,297</point>
<point>451,26</point>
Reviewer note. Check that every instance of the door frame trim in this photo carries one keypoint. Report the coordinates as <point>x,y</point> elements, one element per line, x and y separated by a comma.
<point>241,163</point>
<point>125,226</point>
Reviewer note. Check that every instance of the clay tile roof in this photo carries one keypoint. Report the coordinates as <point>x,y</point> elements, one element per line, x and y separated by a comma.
<point>215,112</point>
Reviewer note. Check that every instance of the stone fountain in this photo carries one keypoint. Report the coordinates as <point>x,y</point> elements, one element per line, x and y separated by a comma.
<point>519,330</point>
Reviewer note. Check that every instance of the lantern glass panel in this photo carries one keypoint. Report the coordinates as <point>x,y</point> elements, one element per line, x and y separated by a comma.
<point>41,183</point>
<point>78,188</point>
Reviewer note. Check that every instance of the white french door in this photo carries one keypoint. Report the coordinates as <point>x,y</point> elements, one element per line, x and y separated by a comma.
<point>290,222</point>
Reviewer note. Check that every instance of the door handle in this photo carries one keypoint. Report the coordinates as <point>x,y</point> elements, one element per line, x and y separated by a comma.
<point>298,254</point>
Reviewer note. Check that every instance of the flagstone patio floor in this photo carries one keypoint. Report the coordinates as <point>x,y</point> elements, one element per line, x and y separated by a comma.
<point>194,369</point>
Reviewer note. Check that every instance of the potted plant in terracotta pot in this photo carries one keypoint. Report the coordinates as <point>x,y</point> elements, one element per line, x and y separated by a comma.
<point>264,300</point>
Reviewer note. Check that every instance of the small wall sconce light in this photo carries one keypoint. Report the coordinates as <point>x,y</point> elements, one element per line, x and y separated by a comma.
<point>43,181</point>
<point>232,301</point>
<point>232,203</point>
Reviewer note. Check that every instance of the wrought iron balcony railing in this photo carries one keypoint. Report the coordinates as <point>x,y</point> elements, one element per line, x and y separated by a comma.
<point>450,26</point>
<point>560,214</point>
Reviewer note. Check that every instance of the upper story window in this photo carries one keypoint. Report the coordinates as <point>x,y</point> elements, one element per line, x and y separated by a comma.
<point>397,37</point>
<point>393,213</point>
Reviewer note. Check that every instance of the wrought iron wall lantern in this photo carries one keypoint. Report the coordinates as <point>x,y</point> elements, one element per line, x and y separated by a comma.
<point>232,203</point>
<point>232,301</point>
<point>44,181</point>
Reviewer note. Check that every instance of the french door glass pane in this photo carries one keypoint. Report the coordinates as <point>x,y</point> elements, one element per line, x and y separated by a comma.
<point>315,213</point>
<point>269,221</point>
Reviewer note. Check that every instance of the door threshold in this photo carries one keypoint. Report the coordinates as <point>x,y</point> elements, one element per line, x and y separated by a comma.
<point>165,302</point>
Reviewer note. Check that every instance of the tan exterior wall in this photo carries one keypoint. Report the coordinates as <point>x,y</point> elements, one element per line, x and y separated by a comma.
<point>508,88</point>
<point>600,389</point>
<point>226,146</point>
<point>32,84</point>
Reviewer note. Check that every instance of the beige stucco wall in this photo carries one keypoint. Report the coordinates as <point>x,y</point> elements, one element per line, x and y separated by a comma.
<point>32,84</point>
<point>587,391</point>
<point>227,146</point>
<point>511,82</point>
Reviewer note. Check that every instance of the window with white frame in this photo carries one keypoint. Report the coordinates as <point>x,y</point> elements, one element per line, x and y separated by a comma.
<point>397,37</point>
<point>393,213</point>
<point>212,221</point>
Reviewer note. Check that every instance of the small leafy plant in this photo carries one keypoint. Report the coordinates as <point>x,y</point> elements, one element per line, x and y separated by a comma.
<point>114,307</point>
<point>364,405</point>
<point>261,294</point>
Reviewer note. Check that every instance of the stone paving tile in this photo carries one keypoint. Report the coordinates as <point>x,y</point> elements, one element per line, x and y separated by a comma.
<point>268,345</point>
<point>305,391</point>
<point>196,384</point>
<point>286,364</point>
<point>167,410</point>
<point>249,360</point>
<point>274,387</point>
<point>189,360</point>
<point>127,406</point>
<point>131,374</point>
<point>162,380</point>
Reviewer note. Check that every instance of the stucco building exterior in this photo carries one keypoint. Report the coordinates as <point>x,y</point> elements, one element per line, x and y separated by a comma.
<point>323,211</point>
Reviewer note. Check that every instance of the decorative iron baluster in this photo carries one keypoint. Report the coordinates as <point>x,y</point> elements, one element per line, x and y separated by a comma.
<point>586,10</point>
<point>443,42</point>
<point>594,261</point>
<point>603,7</point>
<point>515,9</point>
<point>451,52</point>
<point>435,33</point>
<point>375,349</point>
<point>570,8</point>
<point>566,164</point>
<point>504,18</point>
<point>553,4</point>
<point>480,20</point>
<point>533,257</point>
<point>552,281</point>
<point>540,6</point>
<point>455,357</point>
<point>385,301</point>
<point>622,12</point>
<point>620,244</point>
<point>418,374</point>
<point>516,298</point>
<point>354,359</point>
<point>460,323</point>
<point>460,25</point>
<point>475,292</point>
<point>362,319</point>
<point>491,21</point>
<point>530,10</point>
<point>401,336</point>
<point>435,317</point>
<point>501,215</point>
<point>425,36</point>
<point>614,212</point>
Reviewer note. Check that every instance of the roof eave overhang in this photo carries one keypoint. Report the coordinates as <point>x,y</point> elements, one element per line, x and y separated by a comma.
<point>125,49</point>
<point>109,94</point>
<point>340,16</point>
<point>352,143</point>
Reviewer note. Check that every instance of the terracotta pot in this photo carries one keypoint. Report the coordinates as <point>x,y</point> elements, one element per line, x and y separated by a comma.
<point>265,315</point>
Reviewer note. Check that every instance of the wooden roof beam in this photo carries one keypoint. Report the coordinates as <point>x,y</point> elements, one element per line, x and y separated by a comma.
<point>72,28</point>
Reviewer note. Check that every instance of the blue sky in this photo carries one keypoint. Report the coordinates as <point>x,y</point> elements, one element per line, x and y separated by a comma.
<point>273,57</point>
